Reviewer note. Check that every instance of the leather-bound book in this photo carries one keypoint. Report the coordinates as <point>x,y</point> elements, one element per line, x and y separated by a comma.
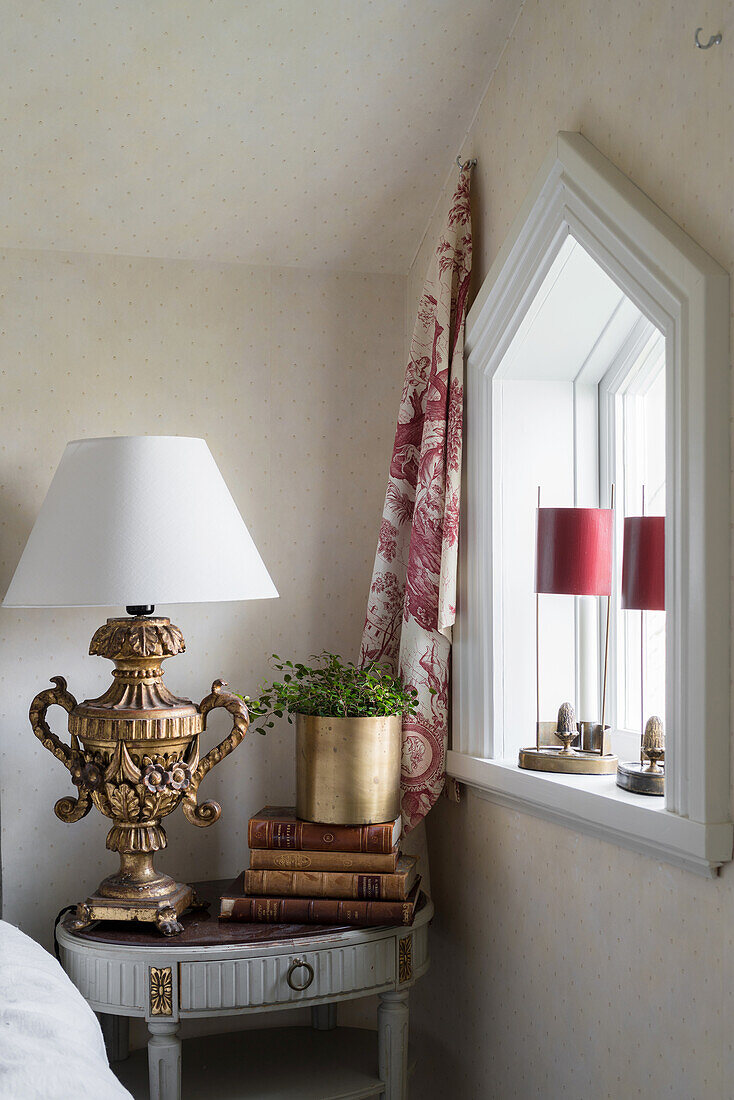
<point>278,827</point>
<point>334,884</point>
<point>374,863</point>
<point>237,906</point>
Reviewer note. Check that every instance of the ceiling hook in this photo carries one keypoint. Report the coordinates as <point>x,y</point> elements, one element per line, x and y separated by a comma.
<point>714,40</point>
<point>467,164</point>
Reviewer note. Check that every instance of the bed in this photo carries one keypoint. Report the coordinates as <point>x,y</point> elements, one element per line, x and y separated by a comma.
<point>51,1045</point>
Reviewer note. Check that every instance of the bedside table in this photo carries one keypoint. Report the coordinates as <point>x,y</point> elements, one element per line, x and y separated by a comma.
<point>222,969</point>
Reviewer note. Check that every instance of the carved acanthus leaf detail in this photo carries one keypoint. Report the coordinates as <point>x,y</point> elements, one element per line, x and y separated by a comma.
<point>118,639</point>
<point>124,802</point>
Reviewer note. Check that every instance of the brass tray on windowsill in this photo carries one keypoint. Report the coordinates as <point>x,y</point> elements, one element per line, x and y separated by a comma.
<point>549,756</point>
<point>552,759</point>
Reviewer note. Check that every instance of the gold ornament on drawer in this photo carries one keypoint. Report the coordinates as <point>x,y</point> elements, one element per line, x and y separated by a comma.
<point>134,754</point>
<point>160,980</point>
<point>405,959</point>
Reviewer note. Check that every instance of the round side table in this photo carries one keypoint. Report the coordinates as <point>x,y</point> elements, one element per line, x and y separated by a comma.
<point>217,968</point>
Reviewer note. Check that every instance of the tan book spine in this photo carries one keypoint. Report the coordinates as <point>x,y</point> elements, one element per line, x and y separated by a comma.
<point>333,884</point>
<point>270,859</point>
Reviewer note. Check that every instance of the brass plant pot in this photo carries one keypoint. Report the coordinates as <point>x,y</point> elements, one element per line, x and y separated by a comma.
<point>134,754</point>
<point>348,769</point>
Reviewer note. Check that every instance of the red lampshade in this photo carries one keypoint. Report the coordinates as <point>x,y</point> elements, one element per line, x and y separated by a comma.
<point>574,551</point>
<point>643,563</point>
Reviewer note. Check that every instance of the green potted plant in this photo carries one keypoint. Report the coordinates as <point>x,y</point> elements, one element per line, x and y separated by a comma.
<point>348,736</point>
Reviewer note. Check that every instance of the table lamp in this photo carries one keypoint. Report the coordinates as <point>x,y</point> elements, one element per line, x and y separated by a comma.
<point>133,522</point>
<point>573,556</point>
<point>643,589</point>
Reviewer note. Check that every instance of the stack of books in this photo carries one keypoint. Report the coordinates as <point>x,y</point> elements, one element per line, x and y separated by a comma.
<point>305,873</point>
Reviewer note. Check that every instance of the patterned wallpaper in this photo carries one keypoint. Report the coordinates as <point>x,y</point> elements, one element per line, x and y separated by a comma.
<point>576,968</point>
<point>289,133</point>
<point>293,377</point>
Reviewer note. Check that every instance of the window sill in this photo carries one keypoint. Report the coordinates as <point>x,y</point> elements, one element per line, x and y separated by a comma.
<point>598,807</point>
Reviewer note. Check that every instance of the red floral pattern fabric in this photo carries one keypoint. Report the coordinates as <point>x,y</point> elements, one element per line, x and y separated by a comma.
<point>412,602</point>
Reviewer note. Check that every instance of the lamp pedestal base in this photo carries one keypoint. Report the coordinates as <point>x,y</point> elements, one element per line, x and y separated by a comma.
<point>639,779</point>
<point>164,910</point>
<point>137,892</point>
<point>572,763</point>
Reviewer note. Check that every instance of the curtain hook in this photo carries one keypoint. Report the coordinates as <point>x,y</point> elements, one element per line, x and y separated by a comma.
<point>714,40</point>
<point>467,164</point>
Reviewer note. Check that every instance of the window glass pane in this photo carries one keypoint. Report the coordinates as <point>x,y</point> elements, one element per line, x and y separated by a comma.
<point>643,427</point>
<point>654,473</point>
<point>537,445</point>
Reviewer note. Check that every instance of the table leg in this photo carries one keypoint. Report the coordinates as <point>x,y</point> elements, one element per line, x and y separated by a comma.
<point>116,1032</point>
<point>323,1017</point>
<point>392,1044</point>
<point>164,1060</point>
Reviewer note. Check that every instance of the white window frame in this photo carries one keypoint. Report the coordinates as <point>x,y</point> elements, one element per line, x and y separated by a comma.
<point>685,293</point>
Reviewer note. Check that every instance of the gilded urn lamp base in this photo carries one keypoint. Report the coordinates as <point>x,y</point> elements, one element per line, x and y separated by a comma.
<point>134,754</point>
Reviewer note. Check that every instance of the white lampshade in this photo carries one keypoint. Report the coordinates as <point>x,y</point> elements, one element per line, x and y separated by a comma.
<point>138,520</point>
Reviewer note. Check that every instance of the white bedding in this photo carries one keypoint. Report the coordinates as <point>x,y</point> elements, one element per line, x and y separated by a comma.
<point>51,1045</point>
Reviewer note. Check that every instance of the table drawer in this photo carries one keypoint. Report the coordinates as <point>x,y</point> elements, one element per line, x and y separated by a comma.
<point>224,984</point>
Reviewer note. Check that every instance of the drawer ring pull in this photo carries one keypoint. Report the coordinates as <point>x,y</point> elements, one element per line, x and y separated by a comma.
<point>295,965</point>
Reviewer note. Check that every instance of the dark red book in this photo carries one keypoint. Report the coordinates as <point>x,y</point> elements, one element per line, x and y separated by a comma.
<point>237,906</point>
<point>277,827</point>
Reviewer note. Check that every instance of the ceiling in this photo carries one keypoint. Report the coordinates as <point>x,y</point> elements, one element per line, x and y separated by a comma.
<point>291,133</point>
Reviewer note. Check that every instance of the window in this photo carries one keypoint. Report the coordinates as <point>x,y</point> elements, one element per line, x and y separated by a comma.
<point>574,413</point>
<point>597,352</point>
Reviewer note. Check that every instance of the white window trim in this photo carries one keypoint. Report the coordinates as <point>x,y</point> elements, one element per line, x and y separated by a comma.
<point>685,293</point>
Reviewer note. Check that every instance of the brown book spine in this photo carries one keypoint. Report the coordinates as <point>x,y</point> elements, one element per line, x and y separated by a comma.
<point>333,884</point>
<point>270,833</point>
<point>360,914</point>
<point>266,859</point>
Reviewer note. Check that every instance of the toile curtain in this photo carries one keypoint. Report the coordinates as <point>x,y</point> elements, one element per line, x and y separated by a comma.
<point>412,601</point>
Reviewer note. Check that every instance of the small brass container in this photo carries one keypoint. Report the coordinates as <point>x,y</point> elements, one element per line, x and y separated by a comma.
<point>647,777</point>
<point>348,769</point>
<point>641,778</point>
